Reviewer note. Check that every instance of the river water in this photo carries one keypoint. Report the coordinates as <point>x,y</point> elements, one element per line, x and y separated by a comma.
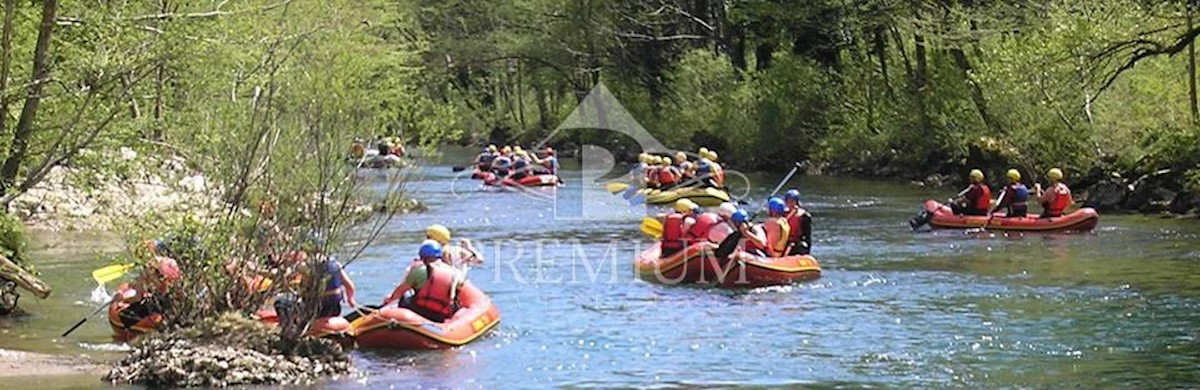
<point>1113,308</point>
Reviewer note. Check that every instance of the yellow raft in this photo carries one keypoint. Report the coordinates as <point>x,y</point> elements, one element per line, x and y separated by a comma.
<point>707,197</point>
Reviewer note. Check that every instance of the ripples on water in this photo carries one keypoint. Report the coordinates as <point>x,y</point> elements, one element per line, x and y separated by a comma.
<point>1113,308</point>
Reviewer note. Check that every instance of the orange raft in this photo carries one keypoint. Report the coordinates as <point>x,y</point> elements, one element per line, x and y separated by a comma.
<point>941,217</point>
<point>123,333</point>
<point>697,264</point>
<point>334,328</point>
<point>400,328</point>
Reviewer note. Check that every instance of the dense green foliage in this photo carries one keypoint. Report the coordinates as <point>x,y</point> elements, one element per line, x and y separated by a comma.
<point>878,87</point>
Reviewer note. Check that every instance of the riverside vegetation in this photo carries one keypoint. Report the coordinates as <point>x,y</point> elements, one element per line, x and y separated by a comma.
<point>261,97</point>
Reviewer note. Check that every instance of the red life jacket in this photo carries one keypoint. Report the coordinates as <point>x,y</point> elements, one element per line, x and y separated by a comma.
<point>437,295</point>
<point>795,230</point>
<point>672,238</point>
<point>704,223</point>
<point>718,174</point>
<point>984,202</point>
<point>1062,199</point>
<point>667,176</point>
<point>652,173</point>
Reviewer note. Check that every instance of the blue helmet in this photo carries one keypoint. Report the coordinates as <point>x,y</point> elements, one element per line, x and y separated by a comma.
<point>430,249</point>
<point>792,194</point>
<point>740,216</point>
<point>776,205</point>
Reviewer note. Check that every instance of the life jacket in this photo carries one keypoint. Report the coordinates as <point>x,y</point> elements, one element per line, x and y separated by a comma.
<point>668,176</point>
<point>718,174</point>
<point>652,173</point>
<point>1062,199</point>
<point>437,295</point>
<point>672,237</point>
<point>1020,194</point>
<point>984,202</point>
<point>501,162</point>
<point>704,223</point>
<point>551,163</point>
<point>779,225</point>
<point>795,226</point>
<point>520,164</point>
<point>333,285</point>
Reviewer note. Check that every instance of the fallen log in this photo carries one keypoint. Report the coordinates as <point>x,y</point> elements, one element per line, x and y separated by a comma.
<point>11,271</point>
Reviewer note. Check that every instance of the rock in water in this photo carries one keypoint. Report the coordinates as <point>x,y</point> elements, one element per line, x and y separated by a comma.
<point>227,351</point>
<point>1107,195</point>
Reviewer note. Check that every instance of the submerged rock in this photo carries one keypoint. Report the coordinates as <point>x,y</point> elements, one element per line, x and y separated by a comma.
<point>228,351</point>
<point>1107,195</point>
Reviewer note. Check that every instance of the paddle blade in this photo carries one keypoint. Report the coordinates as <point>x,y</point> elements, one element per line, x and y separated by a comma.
<point>615,187</point>
<point>111,273</point>
<point>652,227</point>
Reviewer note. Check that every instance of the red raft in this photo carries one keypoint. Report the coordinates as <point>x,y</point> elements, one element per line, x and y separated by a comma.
<point>538,180</point>
<point>400,328</point>
<point>123,333</point>
<point>334,328</point>
<point>697,264</point>
<point>941,217</point>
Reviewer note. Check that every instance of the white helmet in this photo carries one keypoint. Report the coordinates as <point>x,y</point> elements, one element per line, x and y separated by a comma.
<point>726,209</point>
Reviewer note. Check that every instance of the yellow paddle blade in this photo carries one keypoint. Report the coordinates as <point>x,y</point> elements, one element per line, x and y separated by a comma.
<point>111,273</point>
<point>652,227</point>
<point>615,187</point>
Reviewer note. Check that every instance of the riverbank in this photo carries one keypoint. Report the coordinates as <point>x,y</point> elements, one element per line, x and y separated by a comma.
<point>23,364</point>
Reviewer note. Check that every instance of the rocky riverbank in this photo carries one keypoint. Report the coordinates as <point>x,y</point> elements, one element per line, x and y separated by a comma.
<point>228,351</point>
<point>134,185</point>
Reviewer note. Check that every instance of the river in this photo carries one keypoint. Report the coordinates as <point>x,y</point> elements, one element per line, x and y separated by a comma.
<point>1113,308</point>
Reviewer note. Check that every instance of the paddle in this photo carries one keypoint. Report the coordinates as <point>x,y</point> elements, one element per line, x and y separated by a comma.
<point>730,243</point>
<point>459,168</point>
<point>112,272</point>
<point>359,312</point>
<point>616,187</point>
<point>89,316</point>
<point>652,227</point>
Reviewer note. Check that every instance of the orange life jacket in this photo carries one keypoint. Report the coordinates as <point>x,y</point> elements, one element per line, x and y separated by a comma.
<point>985,197</point>
<point>436,296</point>
<point>777,233</point>
<point>668,176</point>
<point>704,223</point>
<point>672,237</point>
<point>1062,199</point>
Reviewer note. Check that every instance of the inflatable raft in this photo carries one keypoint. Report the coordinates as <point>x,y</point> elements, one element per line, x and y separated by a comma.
<point>707,197</point>
<point>539,180</point>
<point>335,328</point>
<point>697,264</point>
<point>399,328</point>
<point>940,216</point>
<point>123,331</point>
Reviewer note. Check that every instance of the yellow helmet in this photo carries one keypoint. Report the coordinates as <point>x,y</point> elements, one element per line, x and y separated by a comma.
<point>517,149</point>
<point>438,233</point>
<point>976,175</point>
<point>1014,175</point>
<point>1055,174</point>
<point>492,148</point>
<point>685,205</point>
<point>507,149</point>
<point>703,151</point>
<point>712,155</point>
<point>680,156</point>
<point>658,160</point>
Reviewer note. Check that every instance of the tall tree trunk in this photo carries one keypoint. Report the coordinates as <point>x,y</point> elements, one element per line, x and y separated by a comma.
<point>41,70</point>
<point>921,80</point>
<point>160,76</point>
<point>736,46</point>
<point>762,56</point>
<point>964,67</point>
<point>880,50</point>
<point>543,116</point>
<point>1192,68</point>
<point>5,62</point>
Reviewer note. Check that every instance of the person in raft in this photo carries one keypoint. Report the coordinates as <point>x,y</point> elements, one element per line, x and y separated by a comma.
<point>1015,197</point>
<point>430,287</point>
<point>754,241</point>
<point>149,294</point>
<point>484,160</point>
<point>651,174</point>
<point>1055,199</point>
<point>520,166</point>
<point>976,199</point>
<point>502,162</point>
<point>549,162</point>
<point>338,286</point>
<point>668,174</point>
<point>686,169</point>
<point>799,225</point>
<point>776,227</point>
<point>725,225</point>
<point>358,149</point>
<point>689,224</point>
<point>461,256</point>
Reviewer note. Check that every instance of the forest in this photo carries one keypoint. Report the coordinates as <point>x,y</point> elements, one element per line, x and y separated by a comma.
<point>885,88</point>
